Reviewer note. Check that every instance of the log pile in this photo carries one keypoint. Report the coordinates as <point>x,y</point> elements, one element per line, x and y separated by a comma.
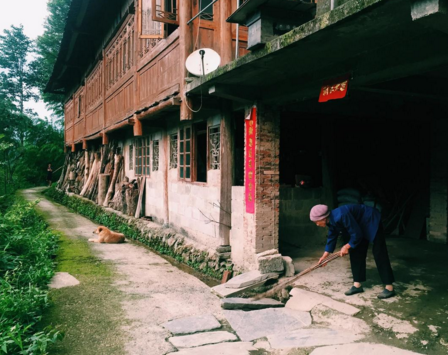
<point>81,175</point>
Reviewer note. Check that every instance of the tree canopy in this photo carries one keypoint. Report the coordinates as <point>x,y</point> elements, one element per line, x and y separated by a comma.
<point>29,143</point>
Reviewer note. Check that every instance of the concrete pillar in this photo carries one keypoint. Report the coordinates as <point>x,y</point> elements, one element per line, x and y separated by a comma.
<point>262,227</point>
<point>438,221</point>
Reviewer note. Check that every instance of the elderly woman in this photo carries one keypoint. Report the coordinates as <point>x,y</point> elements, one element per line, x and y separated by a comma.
<point>362,225</point>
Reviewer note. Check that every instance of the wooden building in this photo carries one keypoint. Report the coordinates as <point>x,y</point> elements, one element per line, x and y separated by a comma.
<point>219,155</point>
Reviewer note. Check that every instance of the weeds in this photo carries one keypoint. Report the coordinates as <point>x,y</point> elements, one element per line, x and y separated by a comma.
<point>27,250</point>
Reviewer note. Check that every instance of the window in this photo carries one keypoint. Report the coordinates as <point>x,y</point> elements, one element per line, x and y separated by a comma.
<point>165,11</point>
<point>155,155</point>
<point>207,14</point>
<point>131,157</point>
<point>142,156</point>
<point>185,153</point>
<point>148,27</point>
<point>214,139</point>
<point>173,151</point>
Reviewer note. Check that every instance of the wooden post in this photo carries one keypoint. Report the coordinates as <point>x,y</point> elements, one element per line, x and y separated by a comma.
<point>225,31</point>
<point>73,148</point>
<point>105,138</point>
<point>226,174</point>
<point>186,47</point>
<point>138,129</point>
<point>84,144</point>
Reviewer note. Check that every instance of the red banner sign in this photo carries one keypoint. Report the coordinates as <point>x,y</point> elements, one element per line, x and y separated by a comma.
<point>334,89</point>
<point>251,128</point>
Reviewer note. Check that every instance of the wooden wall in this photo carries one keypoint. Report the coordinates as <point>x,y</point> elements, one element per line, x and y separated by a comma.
<point>136,73</point>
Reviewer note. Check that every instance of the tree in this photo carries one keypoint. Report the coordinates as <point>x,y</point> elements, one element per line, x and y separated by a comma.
<point>16,79</point>
<point>47,49</point>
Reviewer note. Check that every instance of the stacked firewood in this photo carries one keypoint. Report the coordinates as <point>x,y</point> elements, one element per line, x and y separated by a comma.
<point>81,175</point>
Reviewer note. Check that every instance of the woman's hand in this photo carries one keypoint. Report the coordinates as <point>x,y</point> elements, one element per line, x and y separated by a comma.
<point>324,256</point>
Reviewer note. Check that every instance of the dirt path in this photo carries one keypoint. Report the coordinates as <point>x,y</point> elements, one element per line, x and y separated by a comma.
<point>126,291</point>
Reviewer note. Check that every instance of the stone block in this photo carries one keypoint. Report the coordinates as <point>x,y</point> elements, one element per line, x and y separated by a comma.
<point>63,279</point>
<point>302,300</point>
<point>289,266</point>
<point>249,304</point>
<point>194,340</point>
<point>270,263</point>
<point>250,278</point>
<point>257,324</point>
<point>224,249</point>
<point>191,325</point>
<point>362,348</point>
<point>237,348</point>
<point>267,252</point>
<point>306,338</point>
<point>223,291</point>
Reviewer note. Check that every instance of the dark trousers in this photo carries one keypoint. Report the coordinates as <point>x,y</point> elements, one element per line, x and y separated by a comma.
<point>358,257</point>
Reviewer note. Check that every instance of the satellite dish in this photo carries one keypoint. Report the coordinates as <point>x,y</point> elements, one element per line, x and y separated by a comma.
<point>203,61</point>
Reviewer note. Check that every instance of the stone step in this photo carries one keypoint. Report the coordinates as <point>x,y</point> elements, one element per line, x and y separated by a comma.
<point>302,300</point>
<point>200,339</point>
<point>249,304</point>
<point>222,291</point>
<point>237,348</point>
<point>191,325</point>
<point>63,279</point>
<point>362,348</point>
<point>250,278</point>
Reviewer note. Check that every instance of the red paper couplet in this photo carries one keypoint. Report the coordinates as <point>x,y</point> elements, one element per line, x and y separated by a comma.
<point>251,128</point>
<point>334,89</point>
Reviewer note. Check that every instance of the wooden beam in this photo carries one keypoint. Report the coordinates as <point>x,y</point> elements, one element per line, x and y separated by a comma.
<point>225,31</point>
<point>186,47</point>
<point>105,139</point>
<point>232,92</point>
<point>138,129</point>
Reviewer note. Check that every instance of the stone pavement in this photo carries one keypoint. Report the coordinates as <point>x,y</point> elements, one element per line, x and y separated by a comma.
<point>170,312</point>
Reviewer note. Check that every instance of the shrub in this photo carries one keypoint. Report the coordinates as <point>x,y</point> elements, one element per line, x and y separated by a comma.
<point>27,250</point>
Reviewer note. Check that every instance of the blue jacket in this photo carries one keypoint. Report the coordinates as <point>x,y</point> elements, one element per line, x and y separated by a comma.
<point>355,221</point>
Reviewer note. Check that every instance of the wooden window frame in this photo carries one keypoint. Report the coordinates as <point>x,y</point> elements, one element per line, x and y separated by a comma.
<point>182,154</point>
<point>142,150</point>
<point>140,23</point>
<point>168,17</point>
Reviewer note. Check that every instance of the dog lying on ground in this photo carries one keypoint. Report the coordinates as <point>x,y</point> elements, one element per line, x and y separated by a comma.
<point>105,235</point>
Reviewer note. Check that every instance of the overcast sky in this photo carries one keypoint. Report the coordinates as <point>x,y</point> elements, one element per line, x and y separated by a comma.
<point>31,14</point>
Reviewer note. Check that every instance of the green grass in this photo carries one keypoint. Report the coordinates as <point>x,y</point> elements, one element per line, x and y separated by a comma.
<point>90,313</point>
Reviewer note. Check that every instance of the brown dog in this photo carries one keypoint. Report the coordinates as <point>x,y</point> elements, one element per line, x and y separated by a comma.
<point>105,235</point>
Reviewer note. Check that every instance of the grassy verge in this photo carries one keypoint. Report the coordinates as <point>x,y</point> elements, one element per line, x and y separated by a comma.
<point>27,250</point>
<point>156,239</point>
<point>89,314</point>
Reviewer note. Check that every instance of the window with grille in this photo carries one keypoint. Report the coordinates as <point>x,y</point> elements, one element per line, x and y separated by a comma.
<point>173,151</point>
<point>142,156</point>
<point>214,141</point>
<point>148,27</point>
<point>155,155</point>
<point>185,153</point>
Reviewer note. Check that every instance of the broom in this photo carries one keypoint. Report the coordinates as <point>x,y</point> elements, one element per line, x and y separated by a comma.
<point>282,285</point>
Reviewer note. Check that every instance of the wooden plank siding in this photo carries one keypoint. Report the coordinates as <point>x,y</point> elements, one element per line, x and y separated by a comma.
<point>137,73</point>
